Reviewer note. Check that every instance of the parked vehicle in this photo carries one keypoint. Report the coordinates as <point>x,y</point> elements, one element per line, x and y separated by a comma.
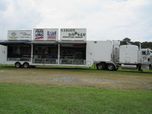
<point>135,56</point>
<point>72,49</point>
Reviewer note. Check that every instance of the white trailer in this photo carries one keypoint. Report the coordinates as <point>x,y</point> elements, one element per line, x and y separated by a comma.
<point>61,53</point>
<point>72,49</point>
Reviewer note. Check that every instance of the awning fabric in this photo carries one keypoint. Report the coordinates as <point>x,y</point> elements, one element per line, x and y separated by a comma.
<point>7,42</point>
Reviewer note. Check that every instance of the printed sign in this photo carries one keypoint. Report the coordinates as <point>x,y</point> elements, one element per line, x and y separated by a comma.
<point>38,34</point>
<point>45,34</point>
<point>19,34</point>
<point>73,34</point>
<point>52,34</point>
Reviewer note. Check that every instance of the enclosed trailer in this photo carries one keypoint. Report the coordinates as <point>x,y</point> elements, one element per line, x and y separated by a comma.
<point>44,48</point>
<point>61,53</point>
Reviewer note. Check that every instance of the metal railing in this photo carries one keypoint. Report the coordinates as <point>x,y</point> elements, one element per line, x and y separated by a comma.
<point>19,59</point>
<point>45,61</point>
<point>73,61</point>
<point>51,61</point>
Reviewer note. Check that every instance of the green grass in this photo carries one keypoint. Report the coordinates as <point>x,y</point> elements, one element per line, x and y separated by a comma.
<point>129,72</point>
<point>46,99</point>
<point>43,99</point>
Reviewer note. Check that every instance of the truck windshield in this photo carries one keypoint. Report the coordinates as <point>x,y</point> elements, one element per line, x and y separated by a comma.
<point>144,53</point>
<point>148,52</point>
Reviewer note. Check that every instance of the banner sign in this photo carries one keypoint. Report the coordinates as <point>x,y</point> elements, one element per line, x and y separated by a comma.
<point>45,34</point>
<point>19,34</point>
<point>73,34</point>
<point>52,34</point>
<point>38,34</point>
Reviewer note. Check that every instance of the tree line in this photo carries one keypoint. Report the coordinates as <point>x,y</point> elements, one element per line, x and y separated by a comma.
<point>143,44</point>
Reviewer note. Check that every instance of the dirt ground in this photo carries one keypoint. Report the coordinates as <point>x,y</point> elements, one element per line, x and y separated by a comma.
<point>78,77</point>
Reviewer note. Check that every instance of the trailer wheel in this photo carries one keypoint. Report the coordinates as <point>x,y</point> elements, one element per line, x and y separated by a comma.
<point>26,65</point>
<point>110,67</point>
<point>17,64</point>
<point>139,67</point>
<point>101,66</point>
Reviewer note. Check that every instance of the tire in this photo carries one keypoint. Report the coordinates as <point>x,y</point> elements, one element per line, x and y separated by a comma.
<point>139,68</point>
<point>101,66</point>
<point>26,65</point>
<point>111,67</point>
<point>116,68</point>
<point>150,67</point>
<point>17,64</point>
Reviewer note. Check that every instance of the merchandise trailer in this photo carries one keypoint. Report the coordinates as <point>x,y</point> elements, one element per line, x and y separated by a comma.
<point>41,51</point>
<point>45,53</point>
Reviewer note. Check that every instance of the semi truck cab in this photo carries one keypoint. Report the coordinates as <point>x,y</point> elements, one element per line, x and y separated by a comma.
<point>146,55</point>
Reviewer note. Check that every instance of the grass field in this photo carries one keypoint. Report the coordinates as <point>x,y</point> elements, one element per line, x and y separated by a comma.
<point>74,91</point>
<point>32,99</point>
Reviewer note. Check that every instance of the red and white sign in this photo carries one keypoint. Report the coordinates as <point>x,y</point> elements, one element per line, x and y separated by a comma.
<point>52,34</point>
<point>45,34</point>
<point>38,34</point>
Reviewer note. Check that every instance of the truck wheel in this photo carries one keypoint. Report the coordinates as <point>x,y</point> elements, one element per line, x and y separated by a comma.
<point>150,67</point>
<point>17,64</point>
<point>100,66</point>
<point>110,67</point>
<point>26,65</point>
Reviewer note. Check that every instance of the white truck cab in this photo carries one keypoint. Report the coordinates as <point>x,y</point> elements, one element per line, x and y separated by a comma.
<point>146,55</point>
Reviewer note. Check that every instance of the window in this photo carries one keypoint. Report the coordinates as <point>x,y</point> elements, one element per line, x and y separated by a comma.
<point>143,52</point>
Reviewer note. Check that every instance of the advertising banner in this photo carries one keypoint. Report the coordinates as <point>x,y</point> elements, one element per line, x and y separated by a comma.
<point>52,34</point>
<point>19,34</point>
<point>38,34</point>
<point>45,34</point>
<point>73,34</point>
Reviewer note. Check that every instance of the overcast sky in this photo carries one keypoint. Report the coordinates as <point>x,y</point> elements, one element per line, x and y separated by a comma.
<point>104,19</point>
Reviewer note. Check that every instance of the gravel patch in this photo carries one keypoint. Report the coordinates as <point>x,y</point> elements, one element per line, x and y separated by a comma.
<point>73,78</point>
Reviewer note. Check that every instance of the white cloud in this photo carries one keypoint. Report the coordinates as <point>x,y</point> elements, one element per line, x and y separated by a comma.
<point>104,19</point>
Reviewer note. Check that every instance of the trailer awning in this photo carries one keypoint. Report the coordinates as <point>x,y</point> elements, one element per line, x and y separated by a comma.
<point>58,42</point>
<point>9,42</point>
